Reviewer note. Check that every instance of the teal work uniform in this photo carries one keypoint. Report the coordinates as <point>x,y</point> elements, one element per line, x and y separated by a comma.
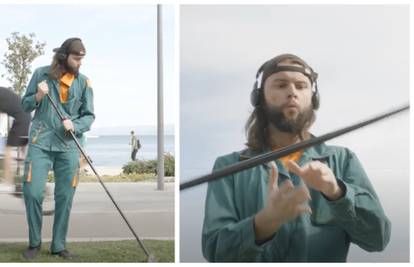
<point>51,147</point>
<point>232,202</point>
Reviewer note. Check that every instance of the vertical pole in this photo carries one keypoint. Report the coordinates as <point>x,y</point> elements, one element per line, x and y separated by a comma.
<point>160,106</point>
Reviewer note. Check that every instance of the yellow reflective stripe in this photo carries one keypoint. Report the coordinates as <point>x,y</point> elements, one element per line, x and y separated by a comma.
<point>29,173</point>
<point>88,83</point>
<point>74,181</point>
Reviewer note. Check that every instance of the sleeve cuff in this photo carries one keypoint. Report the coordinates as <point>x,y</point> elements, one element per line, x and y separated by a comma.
<point>249,245</point>
<point>344,207</point>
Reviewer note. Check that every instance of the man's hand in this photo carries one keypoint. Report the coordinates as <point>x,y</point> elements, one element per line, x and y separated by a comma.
<point>68,125</point>
<point>318,176</point>
<point>284,203</point>
<point>42,90</point>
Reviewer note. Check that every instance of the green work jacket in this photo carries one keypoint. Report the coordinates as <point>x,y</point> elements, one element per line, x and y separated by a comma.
<point>325,236</point>
<point>47,130</point>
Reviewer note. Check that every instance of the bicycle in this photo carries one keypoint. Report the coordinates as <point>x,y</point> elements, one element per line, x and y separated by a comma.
<point>17,162</point>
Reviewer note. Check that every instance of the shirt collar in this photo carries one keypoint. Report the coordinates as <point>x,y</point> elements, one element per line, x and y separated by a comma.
<point>316,152</point>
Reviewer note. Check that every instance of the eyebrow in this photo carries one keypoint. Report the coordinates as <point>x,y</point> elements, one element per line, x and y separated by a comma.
<point>287,80</point>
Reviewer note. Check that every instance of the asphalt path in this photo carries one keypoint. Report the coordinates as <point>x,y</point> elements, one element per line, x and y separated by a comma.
<point>94,217</point>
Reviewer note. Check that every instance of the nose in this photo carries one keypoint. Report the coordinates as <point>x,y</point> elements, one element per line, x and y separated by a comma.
<point>292,91</point>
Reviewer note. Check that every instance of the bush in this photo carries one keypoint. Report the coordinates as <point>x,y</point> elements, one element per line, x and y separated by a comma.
<point>150,166</point>
<point>169,165</point>
<point>140,166</point>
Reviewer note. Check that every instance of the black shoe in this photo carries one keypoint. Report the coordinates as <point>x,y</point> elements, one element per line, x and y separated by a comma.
<point>65,254</point>
<point>31,253</point>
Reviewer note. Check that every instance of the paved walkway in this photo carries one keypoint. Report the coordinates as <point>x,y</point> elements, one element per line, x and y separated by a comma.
<point>94,217</point>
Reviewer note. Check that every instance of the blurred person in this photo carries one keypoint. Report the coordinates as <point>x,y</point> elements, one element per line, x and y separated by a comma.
<point>17,135</point>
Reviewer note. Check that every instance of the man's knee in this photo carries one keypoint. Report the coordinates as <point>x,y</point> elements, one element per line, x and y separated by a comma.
<point>31,193</point>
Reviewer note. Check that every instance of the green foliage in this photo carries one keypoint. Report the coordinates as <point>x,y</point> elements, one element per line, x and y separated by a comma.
<point>140,166</point>
<point>22,51</point>
<point>150,166</point>
<point>169,165</point>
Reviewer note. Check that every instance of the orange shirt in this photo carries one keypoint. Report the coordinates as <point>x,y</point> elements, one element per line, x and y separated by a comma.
<point>294,156</point>
<point>65,83</point>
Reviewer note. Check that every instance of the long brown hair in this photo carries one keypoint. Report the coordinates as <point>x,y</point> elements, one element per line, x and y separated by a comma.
<point>57,69</point>
<point>256,129</point>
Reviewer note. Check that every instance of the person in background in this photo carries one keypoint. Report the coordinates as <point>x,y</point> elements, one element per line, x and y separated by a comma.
<point>135,146</point>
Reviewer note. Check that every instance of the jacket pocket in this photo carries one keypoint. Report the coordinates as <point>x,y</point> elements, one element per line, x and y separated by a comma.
<point>37,129</point>
<point>72,106</point>
<point>27,172</point>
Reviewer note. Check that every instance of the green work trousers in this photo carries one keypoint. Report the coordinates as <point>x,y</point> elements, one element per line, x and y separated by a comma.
<point>65,167</point>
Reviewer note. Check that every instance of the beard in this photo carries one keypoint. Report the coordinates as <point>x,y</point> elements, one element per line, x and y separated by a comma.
<point>294,125</point>
<point>70,69</point>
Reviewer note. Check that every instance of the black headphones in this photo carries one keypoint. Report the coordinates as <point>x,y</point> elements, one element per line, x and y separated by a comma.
<point>257,97</point>
<point>62,52</point>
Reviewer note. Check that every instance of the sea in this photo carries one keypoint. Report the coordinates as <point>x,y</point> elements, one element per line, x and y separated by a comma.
<point>114,151</point>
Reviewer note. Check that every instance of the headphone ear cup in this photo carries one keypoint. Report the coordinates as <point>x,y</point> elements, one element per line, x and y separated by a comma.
<point>61,56</point>
<point>255,97</point>
<point>315,100</point>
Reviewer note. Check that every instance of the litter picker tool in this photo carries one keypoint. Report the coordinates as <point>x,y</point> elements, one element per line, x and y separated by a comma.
<point>150,257</point>
<point>273,155</point>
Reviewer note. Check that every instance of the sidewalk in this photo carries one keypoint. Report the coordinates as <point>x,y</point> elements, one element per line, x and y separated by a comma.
<point>94,217</point>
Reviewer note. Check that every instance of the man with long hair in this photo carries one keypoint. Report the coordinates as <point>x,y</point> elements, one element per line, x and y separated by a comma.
<point>50,144</point>
<point>307,206</point>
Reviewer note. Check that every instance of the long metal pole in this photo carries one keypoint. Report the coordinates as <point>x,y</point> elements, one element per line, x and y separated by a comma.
<point>150,257</point>
<point>269,156</point>
<point>160,103</point>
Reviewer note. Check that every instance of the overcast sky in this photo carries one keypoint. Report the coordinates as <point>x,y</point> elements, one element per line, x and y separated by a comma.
<point>362,56</point>
<point>121,58</point>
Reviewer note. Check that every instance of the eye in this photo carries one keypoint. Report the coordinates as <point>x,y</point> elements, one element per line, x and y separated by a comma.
<point>301,86</point>
<point>281,85</point>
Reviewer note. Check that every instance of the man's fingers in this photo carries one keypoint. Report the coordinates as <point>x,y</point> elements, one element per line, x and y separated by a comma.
<point>302,209</point>
<point>294,167</point>
<point>273,177</point>
<point>286,186</point>
<point>300,194</point>
<point>43,87</point>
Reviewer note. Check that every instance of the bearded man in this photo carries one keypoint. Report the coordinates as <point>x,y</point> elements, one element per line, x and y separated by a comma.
<point>50,144</point>
<point>306,207</point>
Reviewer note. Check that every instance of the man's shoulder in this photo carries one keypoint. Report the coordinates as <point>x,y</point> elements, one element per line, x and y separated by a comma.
<point>42,70</point>
<point>82,76</point>
<point>337,149</point>
<point>233,157</point>
<point>325,150</point>
<point>85,80</point>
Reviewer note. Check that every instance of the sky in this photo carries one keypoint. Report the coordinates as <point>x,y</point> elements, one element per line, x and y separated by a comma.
<point>121,58</point>
<point>362,56</point>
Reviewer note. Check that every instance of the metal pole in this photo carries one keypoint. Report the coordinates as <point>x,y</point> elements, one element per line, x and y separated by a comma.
<point>160,103</point>
<point>273,155</point>
<point>150,257</point>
